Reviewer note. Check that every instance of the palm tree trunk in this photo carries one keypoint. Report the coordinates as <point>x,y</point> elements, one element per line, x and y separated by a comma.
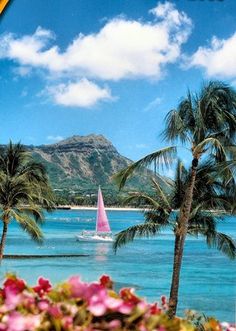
<point>3,239</point>
<point>180,236</point>
<point>178,254</point>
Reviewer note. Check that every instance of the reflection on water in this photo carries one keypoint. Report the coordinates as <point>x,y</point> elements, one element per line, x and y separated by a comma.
<point>101,251</point>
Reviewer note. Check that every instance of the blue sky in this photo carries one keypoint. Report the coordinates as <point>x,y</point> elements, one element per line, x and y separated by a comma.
<point>111,67</point>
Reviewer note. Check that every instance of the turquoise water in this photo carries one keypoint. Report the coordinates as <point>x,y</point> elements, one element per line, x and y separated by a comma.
<point>207,279</point>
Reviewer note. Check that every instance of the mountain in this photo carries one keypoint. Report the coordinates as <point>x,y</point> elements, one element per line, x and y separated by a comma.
<point>81,163</point>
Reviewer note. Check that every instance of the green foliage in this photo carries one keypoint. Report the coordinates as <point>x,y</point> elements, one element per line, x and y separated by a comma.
<point>162,210</point>
<point>24,190</point>
<point>209,114</point>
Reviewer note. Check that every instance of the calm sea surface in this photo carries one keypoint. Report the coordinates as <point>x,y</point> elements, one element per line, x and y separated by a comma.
<point>208,279</point>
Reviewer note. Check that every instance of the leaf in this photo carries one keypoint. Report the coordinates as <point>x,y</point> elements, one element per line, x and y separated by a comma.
<point>140,230</point>
<point>162,157</point>
<point>213,143</point>
<point>222,242</point>
<point>28,225</point>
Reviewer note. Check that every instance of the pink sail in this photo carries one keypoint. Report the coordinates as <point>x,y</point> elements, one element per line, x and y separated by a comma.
<point>102,224</point>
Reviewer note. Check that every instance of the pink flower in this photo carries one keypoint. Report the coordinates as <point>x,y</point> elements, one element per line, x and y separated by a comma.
<point>16,285</point>
<point>142,327</point>
<point>100,301</point>
<point>12,298</point>
<point>126,308</point>
<point>113,303</point>
<point>106,281</point>
<point>142,305</point>
<point>228,327</point>
<point>43,305</point>
<point>154,309</point>
<point>97,308</point>
<point>164,303</point>
<point>43,286</point>
<point>18,322</point>
<point>55,311</point>
<point>127,294</point>
<point>96,296</point>
<point>115,324</point>
<point>77,287</point>
<point>67,322</point>
<point>3,327</point>
<point>161,328</point>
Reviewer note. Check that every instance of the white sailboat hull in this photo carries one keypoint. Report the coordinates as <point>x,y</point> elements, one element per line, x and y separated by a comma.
<point>94,237</point>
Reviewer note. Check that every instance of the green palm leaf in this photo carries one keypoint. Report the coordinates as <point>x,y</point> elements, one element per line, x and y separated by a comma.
<point>162,195</point>
<point>33,210</point>
<point>141,197</point>
<point>28,225</point>
<point>213,143</point>
<point>24,190</point>
<point>140,230</point>
<point>162,157</point>
<point>205,225</point>
<point>222,242</point>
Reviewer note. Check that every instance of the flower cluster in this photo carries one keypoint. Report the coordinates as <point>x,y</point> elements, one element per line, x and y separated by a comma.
<point>79,306</point>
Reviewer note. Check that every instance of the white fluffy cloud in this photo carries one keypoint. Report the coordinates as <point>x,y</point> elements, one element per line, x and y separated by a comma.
<point>218,59</point>
<point>83,93</point>
<point>123,48</point>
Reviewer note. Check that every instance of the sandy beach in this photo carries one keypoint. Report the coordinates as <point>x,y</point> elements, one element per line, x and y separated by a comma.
<point>95,208</point>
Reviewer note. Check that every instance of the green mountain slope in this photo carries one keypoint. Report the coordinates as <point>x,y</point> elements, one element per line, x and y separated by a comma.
<point>80,163</point>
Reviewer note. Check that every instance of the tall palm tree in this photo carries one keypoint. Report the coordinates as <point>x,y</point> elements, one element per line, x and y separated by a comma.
<point>24,190</point>
<point>161,211</point>
<point>206,124</point>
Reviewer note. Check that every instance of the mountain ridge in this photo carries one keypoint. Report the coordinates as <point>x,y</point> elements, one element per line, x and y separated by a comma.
<point>86,158</point>
<point>79,164</point>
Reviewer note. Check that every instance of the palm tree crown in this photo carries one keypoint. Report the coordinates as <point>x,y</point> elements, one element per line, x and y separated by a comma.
<point>24,190</point>
<point>161,210</point>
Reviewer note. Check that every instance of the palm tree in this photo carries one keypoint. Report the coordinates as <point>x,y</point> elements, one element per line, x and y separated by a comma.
<point>161,211</point>
<point>24,190</point>
<point>206,124</point>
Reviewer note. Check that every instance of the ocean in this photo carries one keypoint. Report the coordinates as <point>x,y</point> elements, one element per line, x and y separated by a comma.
<point>208,278</point>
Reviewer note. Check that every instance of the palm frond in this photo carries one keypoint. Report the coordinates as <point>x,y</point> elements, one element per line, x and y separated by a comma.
<point>222,242</point>
<point>28,225</point>
<point>162,157</point>
<point>212,143</point>
<point>201,223</point>
<point>204,224</point>
<point>35,211</point>
<point>141,197</point>
<point>158,216</point>
<point>34,172</point>
<point>217,104</point>
<point>228,168</point>
<point>175,127</point>
<point>178,192</point>
<point>161,194</point>
<point>140,230</point>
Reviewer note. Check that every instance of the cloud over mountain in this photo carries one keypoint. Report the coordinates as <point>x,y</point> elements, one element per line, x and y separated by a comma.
<point>80,94</point>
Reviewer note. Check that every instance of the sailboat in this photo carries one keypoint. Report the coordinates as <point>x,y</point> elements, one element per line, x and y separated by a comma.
<point>103,231</point>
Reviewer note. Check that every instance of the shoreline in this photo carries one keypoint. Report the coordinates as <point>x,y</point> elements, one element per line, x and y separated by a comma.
<point>95,208</point>
<point>69,207</point>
